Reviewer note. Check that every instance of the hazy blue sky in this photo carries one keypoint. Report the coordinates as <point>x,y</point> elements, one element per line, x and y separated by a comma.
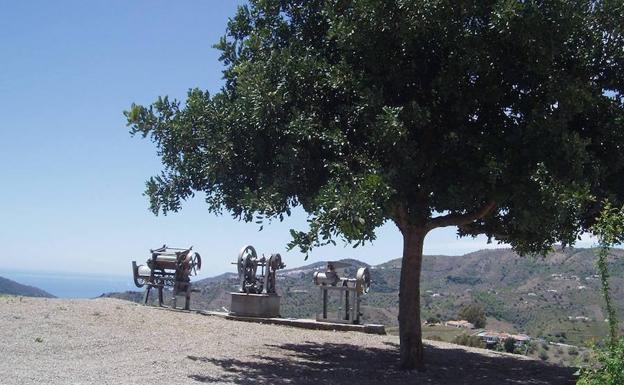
<point>72,177</point>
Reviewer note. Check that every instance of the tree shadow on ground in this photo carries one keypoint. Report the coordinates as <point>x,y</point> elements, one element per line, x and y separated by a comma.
<point>324,363</point>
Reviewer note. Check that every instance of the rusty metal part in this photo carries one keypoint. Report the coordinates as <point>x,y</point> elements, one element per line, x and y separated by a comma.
<point>247,268</point>
<point>168,267</point>
<point>249,280</point>
<point>272,266</point>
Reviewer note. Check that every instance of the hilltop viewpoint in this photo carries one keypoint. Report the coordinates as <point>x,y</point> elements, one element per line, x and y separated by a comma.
<point>111,341</point>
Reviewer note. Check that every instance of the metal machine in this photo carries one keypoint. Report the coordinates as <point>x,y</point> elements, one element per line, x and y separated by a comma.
<point>248,263</point>
<point>168,267</point>
<point>349,291</point>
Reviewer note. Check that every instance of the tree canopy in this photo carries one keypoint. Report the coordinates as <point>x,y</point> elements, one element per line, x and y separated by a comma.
<point>475,314</point>
<point>504,118</point>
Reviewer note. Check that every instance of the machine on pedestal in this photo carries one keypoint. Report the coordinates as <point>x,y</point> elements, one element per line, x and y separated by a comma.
<point>256,296</point>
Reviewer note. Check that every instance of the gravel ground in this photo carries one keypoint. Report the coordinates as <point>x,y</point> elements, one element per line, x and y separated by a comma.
<point>109,341</point>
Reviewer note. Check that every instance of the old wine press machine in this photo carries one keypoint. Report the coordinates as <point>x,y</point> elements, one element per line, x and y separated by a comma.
<point>168,267</point>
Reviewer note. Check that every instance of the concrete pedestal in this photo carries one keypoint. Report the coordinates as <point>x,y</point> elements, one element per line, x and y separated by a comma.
<point>255,305</point>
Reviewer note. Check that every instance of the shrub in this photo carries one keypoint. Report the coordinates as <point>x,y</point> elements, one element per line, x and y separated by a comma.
<point>573,351</point>
<point>520,350</point>
<point>466,340</point>
<point>475,314</point>
<point>509,345</point>
<point>433,320</point>
<point>608,368</point>
<point>543,355</point>
<point>532,348</point>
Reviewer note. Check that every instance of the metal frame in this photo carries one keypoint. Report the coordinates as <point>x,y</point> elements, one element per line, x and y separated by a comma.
<point>249,280</point>
<point>347,313</point>
<point>168,267</point>
<point>350,292</point>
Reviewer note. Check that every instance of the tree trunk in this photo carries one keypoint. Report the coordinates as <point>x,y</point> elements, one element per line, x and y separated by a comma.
<point>414,232</point>
<point>409,299</point>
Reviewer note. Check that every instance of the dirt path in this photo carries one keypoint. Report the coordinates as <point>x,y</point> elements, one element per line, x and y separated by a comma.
<point>109,341</point>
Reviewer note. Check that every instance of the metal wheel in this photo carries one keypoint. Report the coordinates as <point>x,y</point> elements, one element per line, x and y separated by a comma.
<point>247,266</point>
<point>195,263</point>
<point>273,264</point>
<point>363,280</point>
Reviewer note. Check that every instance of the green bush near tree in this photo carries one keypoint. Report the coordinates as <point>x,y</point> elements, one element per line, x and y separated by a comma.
<point>607,367</point>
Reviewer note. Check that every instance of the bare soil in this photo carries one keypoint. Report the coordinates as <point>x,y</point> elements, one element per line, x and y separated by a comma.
<point>109,341</point>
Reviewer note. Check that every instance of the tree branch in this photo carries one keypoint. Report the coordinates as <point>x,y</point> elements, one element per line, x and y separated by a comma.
<point>400,217</point>
<point>460,219</point>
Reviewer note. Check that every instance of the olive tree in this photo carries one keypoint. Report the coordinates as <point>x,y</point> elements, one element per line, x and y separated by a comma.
<point>502,118</point>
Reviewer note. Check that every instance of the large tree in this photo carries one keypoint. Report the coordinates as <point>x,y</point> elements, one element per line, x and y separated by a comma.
<point>503,118</point>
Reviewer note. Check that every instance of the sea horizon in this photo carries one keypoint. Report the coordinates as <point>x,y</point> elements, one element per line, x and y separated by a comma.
<point>71,284</point>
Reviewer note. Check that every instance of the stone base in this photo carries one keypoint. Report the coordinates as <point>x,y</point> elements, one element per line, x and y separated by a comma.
<point>255,305</point>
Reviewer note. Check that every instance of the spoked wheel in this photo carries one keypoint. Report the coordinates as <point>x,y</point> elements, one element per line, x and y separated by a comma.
<point>195,263</point>
<point>246,266</point>
<point>273,264</point>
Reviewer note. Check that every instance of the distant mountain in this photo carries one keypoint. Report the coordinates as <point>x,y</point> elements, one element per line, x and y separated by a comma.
<point>219,278</point>
<point>556,296</point>
<point>10,287</point>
